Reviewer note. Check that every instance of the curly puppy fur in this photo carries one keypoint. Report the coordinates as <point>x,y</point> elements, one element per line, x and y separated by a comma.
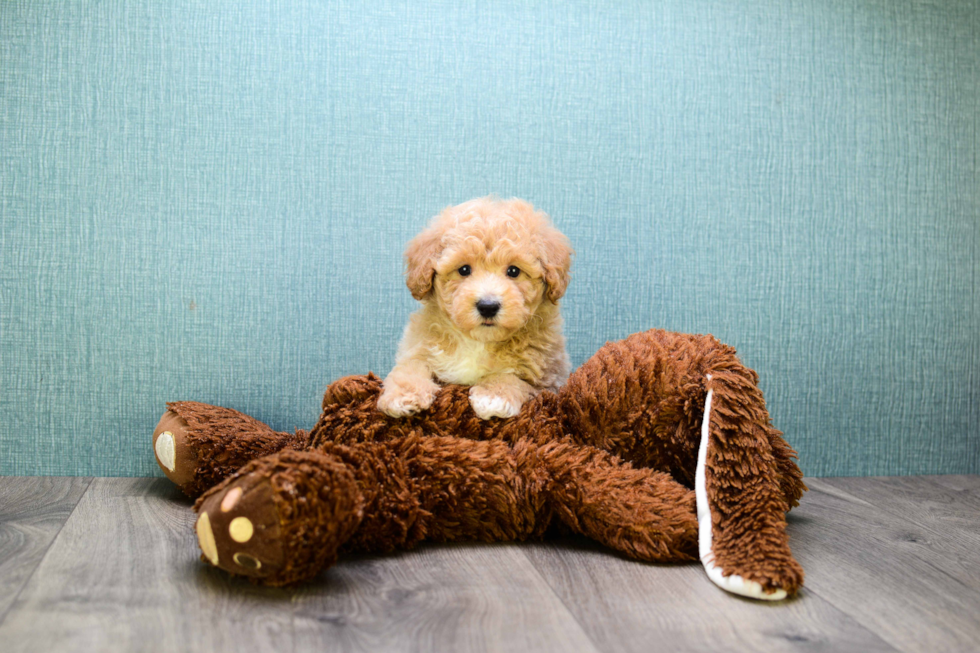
<point>489,274</point>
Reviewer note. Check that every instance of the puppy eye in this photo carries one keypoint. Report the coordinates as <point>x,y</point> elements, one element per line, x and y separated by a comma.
<point>465,271</point>
<point>513,272</point>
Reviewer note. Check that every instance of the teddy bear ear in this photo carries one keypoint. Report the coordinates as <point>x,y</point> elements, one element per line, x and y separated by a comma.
<point>421,255</point>
<point>556,258</point>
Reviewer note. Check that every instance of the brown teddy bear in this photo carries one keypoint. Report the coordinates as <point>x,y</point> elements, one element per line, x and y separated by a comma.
<point>660,447</point>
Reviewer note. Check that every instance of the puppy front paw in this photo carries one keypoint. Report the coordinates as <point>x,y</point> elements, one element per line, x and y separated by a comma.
<point>399,401</point>
<point>487,403</point>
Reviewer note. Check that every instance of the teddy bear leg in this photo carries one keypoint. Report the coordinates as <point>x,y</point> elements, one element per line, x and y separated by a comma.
<point>197,445</point>
<point>741,504</point>
<point>643,513</point>
<point>281,518</point>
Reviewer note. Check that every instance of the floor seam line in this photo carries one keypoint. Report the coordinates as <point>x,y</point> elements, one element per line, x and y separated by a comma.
<point>932,531</point>
<point>860,623</point>
<point>554,593</point>
<point>47,549</point>
<point>898,515</point>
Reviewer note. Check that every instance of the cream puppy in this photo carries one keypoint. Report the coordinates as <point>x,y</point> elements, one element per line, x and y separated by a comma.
<point>489,274</point>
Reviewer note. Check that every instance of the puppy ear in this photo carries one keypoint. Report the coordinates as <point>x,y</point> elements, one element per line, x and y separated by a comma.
<point>556,258</point>
<point>420,261</point>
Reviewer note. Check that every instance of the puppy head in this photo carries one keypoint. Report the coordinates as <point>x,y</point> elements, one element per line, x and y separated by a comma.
<point>489,264</point>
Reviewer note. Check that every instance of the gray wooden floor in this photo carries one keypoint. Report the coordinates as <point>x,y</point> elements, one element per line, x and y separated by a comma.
<point>111,564</point>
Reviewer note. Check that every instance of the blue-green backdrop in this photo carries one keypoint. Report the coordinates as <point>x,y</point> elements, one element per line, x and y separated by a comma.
<point>208,200</point>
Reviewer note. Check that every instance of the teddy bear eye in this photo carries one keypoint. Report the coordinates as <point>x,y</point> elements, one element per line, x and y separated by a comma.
<point>513,272</point>
<point>465,271</point>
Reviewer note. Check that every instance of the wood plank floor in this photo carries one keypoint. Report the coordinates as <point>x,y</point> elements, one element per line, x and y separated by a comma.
<point>893,564</point>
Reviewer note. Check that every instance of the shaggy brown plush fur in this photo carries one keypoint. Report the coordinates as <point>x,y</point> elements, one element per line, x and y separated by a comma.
<point>383,496</point>
<point>612,455</point>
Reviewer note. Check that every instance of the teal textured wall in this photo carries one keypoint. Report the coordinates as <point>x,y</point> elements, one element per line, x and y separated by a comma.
<point>208,200</point>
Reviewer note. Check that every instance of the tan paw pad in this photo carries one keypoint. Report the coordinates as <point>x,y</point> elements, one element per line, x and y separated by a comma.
<point>230,499</point>
<point>166,450</point>
<point>247,561</point>
<point>241,529</point>
<point>205,537</point>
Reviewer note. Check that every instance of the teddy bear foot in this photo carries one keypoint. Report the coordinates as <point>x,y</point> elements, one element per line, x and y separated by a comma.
<point>238,528</point>
<point>738,585</point>
<point>281,519</point>
<point>175,455</point>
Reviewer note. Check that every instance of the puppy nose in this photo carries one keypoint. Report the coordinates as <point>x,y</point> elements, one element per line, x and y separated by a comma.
<point>487,307</point>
